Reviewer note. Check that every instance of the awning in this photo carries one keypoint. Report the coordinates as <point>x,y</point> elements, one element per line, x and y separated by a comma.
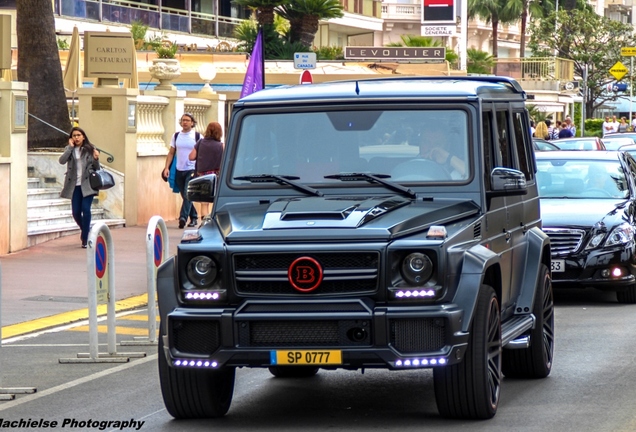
<point>547,107</point>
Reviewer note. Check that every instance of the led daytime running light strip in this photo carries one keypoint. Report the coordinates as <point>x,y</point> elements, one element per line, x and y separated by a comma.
<point>415,293</point>
<point>425,362</point>
<point>202,296</point>
<point>194,363</point>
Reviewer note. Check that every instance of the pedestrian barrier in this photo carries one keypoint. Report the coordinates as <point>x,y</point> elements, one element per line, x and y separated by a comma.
<point>100,258</point>
<point>8,393</point>
<point>156,253</point>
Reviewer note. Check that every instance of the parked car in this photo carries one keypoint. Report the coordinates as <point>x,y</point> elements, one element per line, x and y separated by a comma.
<point>539,144</point>
<point>615,141</point>
<point>631,135</point>
<point>588,206</point>
<point>580,143</point>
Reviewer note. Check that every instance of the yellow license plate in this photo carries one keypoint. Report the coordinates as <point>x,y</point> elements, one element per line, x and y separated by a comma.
<point>306,357</point>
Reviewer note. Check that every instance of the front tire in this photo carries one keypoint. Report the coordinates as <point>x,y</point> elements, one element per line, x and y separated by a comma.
<point>195,393</point>
<point>536,360</point>
<point>471,389</point>
<point>627,296</point>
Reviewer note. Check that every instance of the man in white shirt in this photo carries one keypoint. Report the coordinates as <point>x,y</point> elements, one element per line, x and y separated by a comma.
<point>607,126</point>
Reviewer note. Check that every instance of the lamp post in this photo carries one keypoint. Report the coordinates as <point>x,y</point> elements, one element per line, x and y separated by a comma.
<point>207,72</point>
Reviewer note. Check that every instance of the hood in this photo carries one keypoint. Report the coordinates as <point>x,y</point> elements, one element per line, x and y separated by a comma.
<point>579,212</point>
<point>325,218</point>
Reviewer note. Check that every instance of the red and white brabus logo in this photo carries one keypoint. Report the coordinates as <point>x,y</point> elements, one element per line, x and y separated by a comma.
<point>305,274</point>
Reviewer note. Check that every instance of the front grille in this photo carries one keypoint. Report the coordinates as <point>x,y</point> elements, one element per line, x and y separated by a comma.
<point>563,241</point>
<point>195,336</point>
<point>343,273</point>
<point>320,333</point>
<point>414,335</point>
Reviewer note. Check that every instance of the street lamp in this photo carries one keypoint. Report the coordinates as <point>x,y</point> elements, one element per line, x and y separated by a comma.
<point>207,72</point>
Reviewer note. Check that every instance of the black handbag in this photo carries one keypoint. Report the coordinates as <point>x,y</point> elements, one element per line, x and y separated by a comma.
<point>101,180</point>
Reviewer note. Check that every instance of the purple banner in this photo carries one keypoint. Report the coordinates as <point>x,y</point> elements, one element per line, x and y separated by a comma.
<point>254,77</point>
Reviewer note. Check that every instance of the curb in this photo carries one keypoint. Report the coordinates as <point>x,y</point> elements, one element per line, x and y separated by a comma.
<point>40,324</point>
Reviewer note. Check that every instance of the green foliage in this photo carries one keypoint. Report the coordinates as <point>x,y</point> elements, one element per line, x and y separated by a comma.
<point>138,30</point>
<point>167,50</point>
<point>479,62</point>
<point>536,115</point>
<point>593,127</point>
<point>591,41</point>
<point>304,16</point>
<point>329,53</point>
<point>62,44</point>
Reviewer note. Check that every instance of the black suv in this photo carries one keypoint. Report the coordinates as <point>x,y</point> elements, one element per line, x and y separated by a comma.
<point>383,223</point>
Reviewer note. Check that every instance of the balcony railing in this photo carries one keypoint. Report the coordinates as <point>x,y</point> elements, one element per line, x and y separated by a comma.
<point>537,68</point>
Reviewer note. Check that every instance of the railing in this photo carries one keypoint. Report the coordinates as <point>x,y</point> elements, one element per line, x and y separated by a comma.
<point>198,108</point>
<point>402,11</point>
<point>150,128</point>
<point>537,68</point>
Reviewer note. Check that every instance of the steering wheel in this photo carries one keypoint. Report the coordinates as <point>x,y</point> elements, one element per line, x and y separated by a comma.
<point>595,191</point>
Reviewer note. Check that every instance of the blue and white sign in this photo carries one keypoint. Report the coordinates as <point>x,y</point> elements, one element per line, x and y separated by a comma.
<point>305,60</point>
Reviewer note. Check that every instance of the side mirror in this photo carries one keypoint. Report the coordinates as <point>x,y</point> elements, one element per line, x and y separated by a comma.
<point>201,189</point>
<point>507,181</point>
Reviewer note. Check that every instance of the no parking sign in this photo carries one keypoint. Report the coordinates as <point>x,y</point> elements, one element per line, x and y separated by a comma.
<point>101,269</point>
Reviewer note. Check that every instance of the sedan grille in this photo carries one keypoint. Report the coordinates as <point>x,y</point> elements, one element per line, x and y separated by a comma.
<point>564,241</point>
<point>344,273</point>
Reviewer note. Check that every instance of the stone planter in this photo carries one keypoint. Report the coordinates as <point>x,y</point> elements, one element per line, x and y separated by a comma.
<point>165,70</point>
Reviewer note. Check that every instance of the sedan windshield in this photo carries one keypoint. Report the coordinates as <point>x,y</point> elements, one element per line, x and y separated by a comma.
<point>316,147</point>
<point>560,178</point>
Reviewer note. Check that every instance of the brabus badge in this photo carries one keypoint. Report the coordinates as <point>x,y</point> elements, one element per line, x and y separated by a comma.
<point>305,274</point>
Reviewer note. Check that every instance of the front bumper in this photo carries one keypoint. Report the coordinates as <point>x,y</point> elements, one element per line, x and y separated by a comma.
<point>366,335</point>
<point>605,270</point>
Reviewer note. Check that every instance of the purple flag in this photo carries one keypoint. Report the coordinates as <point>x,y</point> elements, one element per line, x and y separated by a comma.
<point>255,75</point>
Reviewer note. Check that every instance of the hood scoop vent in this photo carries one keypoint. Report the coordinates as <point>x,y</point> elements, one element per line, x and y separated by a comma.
<point>337,215</point>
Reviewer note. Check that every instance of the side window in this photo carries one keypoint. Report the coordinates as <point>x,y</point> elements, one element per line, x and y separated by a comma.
<point>489,161</point>
<point>503,139</point>
<point>522,145</point>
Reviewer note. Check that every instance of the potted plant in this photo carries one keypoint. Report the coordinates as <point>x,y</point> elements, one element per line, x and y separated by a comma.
<point>165,67</point>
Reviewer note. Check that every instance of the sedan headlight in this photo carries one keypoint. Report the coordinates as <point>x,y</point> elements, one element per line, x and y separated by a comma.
<point>201,271</point>
<point>417,268</point>
<point>624,233</point>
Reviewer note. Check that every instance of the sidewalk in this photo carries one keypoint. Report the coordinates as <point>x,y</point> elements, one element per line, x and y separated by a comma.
<point>47,284</point>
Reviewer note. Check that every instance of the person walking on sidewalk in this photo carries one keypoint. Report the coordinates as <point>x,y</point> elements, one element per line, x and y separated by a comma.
<point>207,155</point>
<point>80,157</point>
<point>181,145</point>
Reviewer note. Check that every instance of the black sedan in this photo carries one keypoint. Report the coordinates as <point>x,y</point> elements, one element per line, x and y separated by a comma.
<point>588,208</point>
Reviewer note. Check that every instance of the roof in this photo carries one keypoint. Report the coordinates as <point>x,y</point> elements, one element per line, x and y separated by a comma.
<point>577,155</point>
<point>395,87</point>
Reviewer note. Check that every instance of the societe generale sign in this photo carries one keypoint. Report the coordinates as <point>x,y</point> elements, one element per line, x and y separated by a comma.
<point>395,53</point>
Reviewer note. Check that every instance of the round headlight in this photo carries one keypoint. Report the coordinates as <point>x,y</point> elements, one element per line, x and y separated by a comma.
<point>201,271</point>
<point>417,268</point>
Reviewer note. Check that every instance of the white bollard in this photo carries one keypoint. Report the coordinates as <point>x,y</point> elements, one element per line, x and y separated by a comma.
<point>156,253</point>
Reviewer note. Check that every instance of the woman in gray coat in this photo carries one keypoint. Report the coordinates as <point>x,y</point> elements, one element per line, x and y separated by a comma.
<point>80,157</point>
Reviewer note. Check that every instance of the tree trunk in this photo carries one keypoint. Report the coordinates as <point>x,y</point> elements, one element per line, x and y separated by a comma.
<point>495,36</point>
<point>39,65</point>
<point>524,22</point>
<point>309,28</point>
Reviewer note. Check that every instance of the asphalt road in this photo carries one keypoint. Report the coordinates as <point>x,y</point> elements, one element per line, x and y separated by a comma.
<point>592,386</point>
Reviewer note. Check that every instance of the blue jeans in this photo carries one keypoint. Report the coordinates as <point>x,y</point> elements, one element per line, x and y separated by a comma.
<point>182,178</point>
<point>81,209</point>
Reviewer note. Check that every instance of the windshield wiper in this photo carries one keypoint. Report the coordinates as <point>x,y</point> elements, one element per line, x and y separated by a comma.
<point>373,178</point>
<point>280,179</point>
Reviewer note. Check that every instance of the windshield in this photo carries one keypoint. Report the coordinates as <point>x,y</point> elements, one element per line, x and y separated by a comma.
<point>407,146</point>
<point>581,179</point>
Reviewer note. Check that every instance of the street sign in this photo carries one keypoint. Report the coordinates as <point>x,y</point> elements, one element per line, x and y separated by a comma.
<point>304,60</point>
<point>628,51</point>
<point>306,78</point>
<point>618,71</point>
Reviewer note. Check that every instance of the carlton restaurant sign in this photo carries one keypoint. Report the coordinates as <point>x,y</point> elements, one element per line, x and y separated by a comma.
<point>395,53</point>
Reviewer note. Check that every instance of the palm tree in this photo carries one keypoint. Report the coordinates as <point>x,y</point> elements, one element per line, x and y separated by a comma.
<point>304,16</point>
<point>425,41</point>
<point>264,9</point>
<point>479,62</point>
<point>495,12</point>
<point>536,9</point>
<point>39,65</point>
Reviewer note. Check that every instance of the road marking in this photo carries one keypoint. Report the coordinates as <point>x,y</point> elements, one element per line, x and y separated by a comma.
<point>69,317</point>
<point>79,381</point>
<point>131,331</point>
<point>139,318</point>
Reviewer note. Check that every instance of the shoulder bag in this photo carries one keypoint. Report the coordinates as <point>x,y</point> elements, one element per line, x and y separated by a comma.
<point>101,180</point>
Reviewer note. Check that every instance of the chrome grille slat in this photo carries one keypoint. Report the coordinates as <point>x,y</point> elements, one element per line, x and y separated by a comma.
<point>343,272</point>
<point>564,241</point>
